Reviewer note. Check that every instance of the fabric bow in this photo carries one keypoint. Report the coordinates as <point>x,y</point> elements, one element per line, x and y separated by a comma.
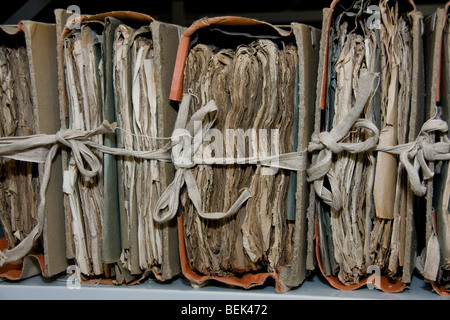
<point>186,140</point>
<point>42,148</point>
<point>329,143</point>
<point>182,158</point>
<point>414,155</point>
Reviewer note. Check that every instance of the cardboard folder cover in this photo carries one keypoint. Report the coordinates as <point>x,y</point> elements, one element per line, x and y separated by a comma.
<point>434,260</point>
<point>133,57</point>
<point>249,68</point>
<point>370,95</point>
<point>29,107</point>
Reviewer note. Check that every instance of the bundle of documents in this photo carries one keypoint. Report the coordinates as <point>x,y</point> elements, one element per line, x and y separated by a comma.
<point>305,152</point>
<point>19,181</point>
<point>25,110</point>
<point>368,224</point>
<point>28,107</point>
<point>253,93</point>
<point>252,71</point>
<point>434,260</point>
<point>81,57</point>
<point>112,71</point>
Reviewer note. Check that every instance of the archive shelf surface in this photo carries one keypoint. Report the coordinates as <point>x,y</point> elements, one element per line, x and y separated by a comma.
<point>314,288</point>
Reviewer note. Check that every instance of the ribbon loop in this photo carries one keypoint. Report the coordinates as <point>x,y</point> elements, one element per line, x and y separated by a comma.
<point>413,156</point>
<point>169,199</point>
<point>22,149</point>
<point>76,140</point>
<point>185,143</point>
<point>42,148</point>
<point>316,174</point>
<point>186,140</point>
<point>24,247</point>
<point>83,154</point>
<point>329,143</point>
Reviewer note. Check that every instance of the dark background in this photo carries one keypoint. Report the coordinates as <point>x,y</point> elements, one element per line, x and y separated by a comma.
<point>183,12</point>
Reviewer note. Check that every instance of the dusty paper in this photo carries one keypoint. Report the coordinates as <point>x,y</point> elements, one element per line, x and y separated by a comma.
<point>19,181</point>
<point>110,53</point>
<point>347,224</point>
<point>395,42</point>
<point>357,236</point>
<point>139,179</point>
<point>85,91</point>
<point>126,164</point>
<point>148,187</point>
<point>396,51</point>
<point>253,87</point>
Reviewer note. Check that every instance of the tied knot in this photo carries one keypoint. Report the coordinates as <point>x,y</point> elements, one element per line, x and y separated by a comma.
<point>332,140</point>
<point>62,137</point>
<point>434,129</point>
<point>186,142</point>
<point>324,140</point>
<point>329,143</point>
<point>415,155</point>
<point>77,141</point>
<point>184,145</point>
<point>181,146</point>
<point>42,148</point>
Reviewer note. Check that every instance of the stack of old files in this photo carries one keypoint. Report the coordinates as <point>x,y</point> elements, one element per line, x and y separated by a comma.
<point>29,106</point>
<point>116,67</point>
<point>434,261</point>
<point>261,78</point>
<point>370,89</point>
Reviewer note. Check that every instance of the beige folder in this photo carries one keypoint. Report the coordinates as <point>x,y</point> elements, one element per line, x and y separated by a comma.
<point>38,41</point>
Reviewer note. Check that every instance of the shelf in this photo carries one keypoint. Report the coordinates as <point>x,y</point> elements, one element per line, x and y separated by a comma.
<point>314,288</point>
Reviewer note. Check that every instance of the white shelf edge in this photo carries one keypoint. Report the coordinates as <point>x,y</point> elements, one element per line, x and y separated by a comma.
<point>314,288</point>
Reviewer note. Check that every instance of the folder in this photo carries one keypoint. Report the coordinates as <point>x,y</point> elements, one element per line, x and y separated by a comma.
<point>370,97</point>
<point>114,66</point>
<point>29,106</point>
<point>433,263</point>
<point>257,77</point>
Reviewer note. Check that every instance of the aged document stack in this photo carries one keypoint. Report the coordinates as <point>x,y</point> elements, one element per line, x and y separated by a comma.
<point>259,77</point>
<point>29,107</point>
<point>434,236</point>
<point>18,216</point>
<point>114,68</point>
<point>372,73</point>
<point>246,84</point>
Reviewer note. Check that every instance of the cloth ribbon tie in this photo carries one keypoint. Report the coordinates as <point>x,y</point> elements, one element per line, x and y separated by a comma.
<point>42,148</point>
<point>186,140</point>
<point>414,155</point>
<point>329,143</point>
